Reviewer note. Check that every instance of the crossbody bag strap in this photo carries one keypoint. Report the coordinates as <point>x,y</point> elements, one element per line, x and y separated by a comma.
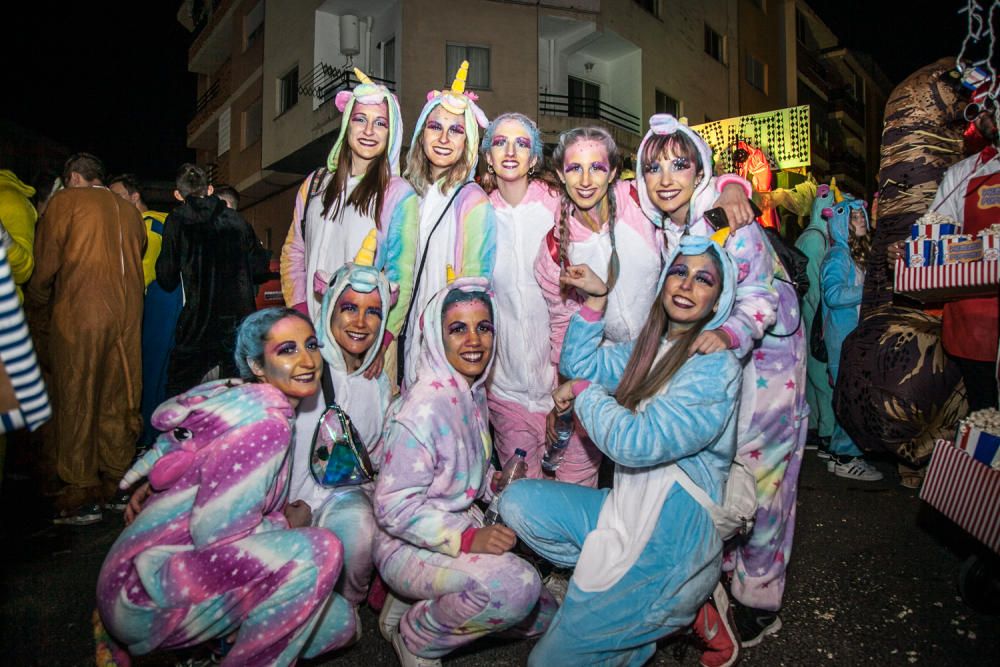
<point>326,383</point>
<point>400,351</point>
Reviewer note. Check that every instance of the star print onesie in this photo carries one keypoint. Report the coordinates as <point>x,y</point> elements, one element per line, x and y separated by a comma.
<point>211,552</point>
<point>436,461</point>
<point>764,327</point>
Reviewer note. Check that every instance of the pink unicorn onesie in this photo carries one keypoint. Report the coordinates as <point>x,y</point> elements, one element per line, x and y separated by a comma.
<point>358,190</point>
<point>211,552</point>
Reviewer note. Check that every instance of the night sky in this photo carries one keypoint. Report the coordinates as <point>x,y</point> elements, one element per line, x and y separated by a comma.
<point>114,81</point>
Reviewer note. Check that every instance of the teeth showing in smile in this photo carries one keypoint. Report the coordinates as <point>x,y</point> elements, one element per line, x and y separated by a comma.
<point>683,302</point>
<point>509,164</point>
<point>444,152</point>
<point>356,336</point>
<point>667,195</point>
<point>472,357</point>
<point>305,378</point>
<point>586,194</point>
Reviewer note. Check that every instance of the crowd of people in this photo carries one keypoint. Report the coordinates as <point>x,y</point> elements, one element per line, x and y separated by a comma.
<point>280,468</point>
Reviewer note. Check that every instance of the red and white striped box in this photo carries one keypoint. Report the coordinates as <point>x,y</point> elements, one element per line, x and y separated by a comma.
<point>991,247</point>
<point>961,249</point>
<point>951,281</point>
<point>965,491</point>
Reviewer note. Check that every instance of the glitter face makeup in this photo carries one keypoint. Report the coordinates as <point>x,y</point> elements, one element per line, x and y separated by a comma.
<point>586,172</point>
<point>467,332</point>
<point>443,140</point>
<point>670,182</point>
<point>292,361</point>
<point>691,289</point>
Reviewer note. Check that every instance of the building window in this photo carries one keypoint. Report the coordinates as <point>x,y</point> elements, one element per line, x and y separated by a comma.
<point>389,60</point>
<point>479,65</point>
<point>858,89</point>
<point>651,6</point>
<point>756,73</point>
<point>667,104</point>
<point>288,90</point>
<point>253,25</point>
<point>225,127</point>
<point>584,98</point>
<point>252,124</point>
<point>715,44</point>
<point>801,28</point>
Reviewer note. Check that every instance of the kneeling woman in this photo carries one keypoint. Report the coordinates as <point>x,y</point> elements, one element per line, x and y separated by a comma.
<point>436,462</point>
<point>211,553</point>
<point>350,324</point>
<point>647,555</point>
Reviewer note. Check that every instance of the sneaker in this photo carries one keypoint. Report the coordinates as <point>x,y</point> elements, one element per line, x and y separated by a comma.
<point>853,467</point>
<point>556,584</point>
<point>408,659</point>
<point>812,439</point>
<point>118,502</point>
<point>388,619</point>
<point>752,625</point>
<point>823,449</point>
<point>84,515</point>
<point>715,627</point>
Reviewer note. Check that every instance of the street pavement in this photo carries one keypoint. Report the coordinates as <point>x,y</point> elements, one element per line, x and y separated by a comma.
<point>872,580</point>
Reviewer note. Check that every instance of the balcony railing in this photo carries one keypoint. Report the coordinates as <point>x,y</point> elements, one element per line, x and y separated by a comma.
<point>206,98</point>
<point>551,104</point>
<point>325,81</point>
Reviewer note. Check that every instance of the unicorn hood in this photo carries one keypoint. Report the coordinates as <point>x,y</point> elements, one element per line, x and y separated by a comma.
<point>826,197</point>
<point>458,101</point>
<point>367,92</point>
<point>839,217</point>
<point>662,124</point>
<point>697,245</point>
<point>361,276</point>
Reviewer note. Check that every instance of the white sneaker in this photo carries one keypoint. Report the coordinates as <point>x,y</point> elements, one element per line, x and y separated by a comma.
<point>388,620</point>
<point>856,468</point>
<point>408,659</point>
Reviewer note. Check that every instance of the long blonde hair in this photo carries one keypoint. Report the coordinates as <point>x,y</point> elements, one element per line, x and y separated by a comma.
<point>418,167</point>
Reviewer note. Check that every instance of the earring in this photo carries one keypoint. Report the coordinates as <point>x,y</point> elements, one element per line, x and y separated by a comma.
<point>489,168</point>
<point>531,171</point>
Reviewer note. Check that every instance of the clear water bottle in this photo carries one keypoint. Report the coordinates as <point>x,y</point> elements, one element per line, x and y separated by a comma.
<point>516,468</point>
<point>555,452</point>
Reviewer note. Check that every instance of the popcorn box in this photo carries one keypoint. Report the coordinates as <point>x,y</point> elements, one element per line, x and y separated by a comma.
<point>991,246</point>
<point>980,445</point>
<point>932,231</point>
<point>951,281</point>
<point>960,248</point>
<point>965,491</point>
<point>920,252</point>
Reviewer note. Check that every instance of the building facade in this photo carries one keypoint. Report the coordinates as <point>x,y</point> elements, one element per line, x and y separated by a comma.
<point>268,71</point>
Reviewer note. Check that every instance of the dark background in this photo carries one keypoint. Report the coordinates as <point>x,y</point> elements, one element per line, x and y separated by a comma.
<point>111,77</point>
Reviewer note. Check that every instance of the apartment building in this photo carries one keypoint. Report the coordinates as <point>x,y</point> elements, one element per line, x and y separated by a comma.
<point>268,71</point>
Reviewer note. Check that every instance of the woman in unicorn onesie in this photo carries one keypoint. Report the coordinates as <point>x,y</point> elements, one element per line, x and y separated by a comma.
<point>358,190</point>
<point>520,388</point>
<point>676,187</point>
<point>455,225</point>
<point>432,550</point>
<point>350,326</point>
<point>212,553</point>
<point>646,553</point>
<point>843,282</point>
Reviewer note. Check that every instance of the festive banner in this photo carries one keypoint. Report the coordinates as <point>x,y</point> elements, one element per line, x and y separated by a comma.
<point>783,135</point>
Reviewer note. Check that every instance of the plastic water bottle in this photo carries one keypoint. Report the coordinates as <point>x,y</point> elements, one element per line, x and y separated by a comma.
<point>555,452</point>
<point>515,468</point>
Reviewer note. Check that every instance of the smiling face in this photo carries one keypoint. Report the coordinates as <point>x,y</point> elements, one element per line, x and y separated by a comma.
<point>356,320</point>
<point>670,180</point>
<point>691,290</point>
<point>467,332</point>
<point>586,172</point>
<point>292,361</point>
<point>443,140</point>
<point>367,134</point>
<point>510,152</point>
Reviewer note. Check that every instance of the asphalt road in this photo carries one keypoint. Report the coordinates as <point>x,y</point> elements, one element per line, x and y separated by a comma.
<point>871,581</point>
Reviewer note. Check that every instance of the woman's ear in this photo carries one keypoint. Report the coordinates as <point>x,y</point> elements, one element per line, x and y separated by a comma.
<point>256,368</point>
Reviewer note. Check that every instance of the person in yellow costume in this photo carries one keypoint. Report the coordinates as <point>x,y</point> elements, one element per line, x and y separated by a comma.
<point>17,226</point>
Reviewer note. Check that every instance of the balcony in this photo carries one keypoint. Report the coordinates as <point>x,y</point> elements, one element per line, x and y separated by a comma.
<point>212,35</point>
<point>848,111</point>
<point>582,108</point>
<point>325,81</point>
<point>208,104</point>
<point>814,73</point>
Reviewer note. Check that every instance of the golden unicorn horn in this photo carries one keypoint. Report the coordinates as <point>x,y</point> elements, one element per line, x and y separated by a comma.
<point>362,77</point>
<point>458,86</point>
<point>450,274</point>
<point>366,255</point>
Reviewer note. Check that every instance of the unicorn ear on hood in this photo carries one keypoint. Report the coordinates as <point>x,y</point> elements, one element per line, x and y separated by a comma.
<point>321,281</point>
<point>341,100</point>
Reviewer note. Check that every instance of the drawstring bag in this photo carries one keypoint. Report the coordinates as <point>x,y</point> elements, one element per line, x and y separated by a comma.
<point>338,456</point>
<point>735,516</point>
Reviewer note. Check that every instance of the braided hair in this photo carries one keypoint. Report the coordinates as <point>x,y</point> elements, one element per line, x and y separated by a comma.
<point>567,208</point>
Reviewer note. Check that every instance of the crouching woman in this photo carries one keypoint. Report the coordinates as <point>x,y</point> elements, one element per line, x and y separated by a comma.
<point>646,554</point>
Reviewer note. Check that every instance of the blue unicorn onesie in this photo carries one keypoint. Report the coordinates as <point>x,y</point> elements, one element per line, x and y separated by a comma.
<point>647,555</point>
<point>347,510</point>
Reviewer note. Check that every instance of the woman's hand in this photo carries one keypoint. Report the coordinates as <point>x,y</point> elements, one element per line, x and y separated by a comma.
<point>298,514</point>
<point>582,277</point>
<point>375,368</point>
<point>134,506</point>
<point>893,252</point>
<point>550,426</point>
<point>733,200</point>
<point>707,342</point>
<point>563,397</point>
<point>494,540</point>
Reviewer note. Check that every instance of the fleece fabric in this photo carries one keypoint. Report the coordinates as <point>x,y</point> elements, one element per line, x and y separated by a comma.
<point>19,217</point>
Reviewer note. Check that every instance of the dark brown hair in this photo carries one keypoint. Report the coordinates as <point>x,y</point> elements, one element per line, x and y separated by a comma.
<point>369,195</point>
<point>88,165</point>
<point>642,378</point>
